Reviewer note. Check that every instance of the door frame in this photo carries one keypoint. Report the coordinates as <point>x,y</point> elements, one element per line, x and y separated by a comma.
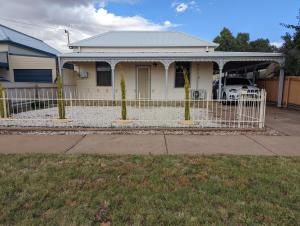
<point>136,80</point>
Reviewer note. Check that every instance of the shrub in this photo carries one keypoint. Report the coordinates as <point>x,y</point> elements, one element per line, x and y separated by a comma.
<point>123,102</point>
<point>187,96</point>
<point>3,105</point>
<point>60,98</point>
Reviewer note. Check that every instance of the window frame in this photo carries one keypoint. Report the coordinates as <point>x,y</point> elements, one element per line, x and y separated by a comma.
<point>103,67</point>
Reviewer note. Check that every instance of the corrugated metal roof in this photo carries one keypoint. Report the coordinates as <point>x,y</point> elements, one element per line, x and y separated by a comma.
<point>143,39</point>
<point>172,54</point>
<point>10,35</point>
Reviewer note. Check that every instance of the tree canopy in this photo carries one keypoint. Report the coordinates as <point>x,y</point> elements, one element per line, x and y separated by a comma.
<point>241,43</point>
<point>291,48</point>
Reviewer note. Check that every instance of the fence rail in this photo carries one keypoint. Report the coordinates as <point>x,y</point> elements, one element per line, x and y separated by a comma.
<point>83,111</point>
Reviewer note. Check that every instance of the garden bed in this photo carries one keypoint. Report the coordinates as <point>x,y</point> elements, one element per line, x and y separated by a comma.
<point>108,117</point>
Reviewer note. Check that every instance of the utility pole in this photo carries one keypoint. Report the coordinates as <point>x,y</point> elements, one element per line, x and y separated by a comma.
<point>68,35</point>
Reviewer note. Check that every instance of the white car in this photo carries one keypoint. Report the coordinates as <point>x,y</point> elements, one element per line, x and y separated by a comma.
<point>234,87</point>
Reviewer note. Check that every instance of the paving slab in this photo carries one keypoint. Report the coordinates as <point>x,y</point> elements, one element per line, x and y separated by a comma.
<point>22,144</point>
<point>207,145</point>
<point>121,145</point>
<point>281,145</point>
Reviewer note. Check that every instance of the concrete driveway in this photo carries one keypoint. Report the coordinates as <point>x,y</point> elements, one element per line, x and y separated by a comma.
<point>284,120</point>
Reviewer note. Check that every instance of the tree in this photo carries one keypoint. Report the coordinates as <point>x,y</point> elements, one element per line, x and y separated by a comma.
<point>261,45</point>
<point>187,115</point>
<point>242,43</point>
<point>242,40</point>
<point>226,41</point>
<point>60,98</point>
<point>123,96</point>
<point>291,48</point>
<point>3,103</point>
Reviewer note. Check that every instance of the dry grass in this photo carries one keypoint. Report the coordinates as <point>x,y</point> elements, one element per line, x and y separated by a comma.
<point>147,190</point>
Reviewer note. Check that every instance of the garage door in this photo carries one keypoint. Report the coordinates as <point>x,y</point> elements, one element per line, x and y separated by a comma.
<point>33,75</point>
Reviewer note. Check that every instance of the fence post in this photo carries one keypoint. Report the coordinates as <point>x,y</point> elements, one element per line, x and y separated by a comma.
<point>71,100</point>
<point>262,107</point>
<point>207,118</point>
<point>240,109</point>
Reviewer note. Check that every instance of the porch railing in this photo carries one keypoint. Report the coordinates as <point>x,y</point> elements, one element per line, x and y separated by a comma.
<point>28,110</point>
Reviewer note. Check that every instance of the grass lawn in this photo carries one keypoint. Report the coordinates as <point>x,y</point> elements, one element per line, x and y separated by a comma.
<point>147,190</point>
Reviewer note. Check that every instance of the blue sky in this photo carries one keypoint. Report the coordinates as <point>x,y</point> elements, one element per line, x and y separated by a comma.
<point>48,19</point>
<point>205,18</point>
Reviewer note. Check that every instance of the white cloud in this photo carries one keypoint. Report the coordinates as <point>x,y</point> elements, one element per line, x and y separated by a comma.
<point>181,7</point>
<point>48,19</point>
<point>277,44</point>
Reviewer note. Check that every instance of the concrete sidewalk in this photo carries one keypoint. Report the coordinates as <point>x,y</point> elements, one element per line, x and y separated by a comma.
<point>151,144</point>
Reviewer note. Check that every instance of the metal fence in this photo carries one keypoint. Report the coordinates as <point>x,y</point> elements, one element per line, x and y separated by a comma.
<point>41,110</point>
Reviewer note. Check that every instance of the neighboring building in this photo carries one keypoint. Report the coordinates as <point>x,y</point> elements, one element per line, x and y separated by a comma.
<point>26,59</point>
<point>152,63</point>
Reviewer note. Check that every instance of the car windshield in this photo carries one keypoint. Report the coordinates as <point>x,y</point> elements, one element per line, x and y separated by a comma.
<point>237,81</point>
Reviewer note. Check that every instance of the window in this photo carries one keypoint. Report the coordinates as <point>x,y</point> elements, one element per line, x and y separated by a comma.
<point>180,67</point>
<point>103,74</point>
<point>33,75</point>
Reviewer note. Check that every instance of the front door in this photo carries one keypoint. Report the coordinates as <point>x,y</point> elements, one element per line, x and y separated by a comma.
<point>143,82</point>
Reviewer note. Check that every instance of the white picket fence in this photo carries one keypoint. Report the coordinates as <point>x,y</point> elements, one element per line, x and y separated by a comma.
<point>32,109</point>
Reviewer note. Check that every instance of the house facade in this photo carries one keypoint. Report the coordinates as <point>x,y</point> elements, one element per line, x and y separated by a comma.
<point>152,64</point>
<point>25,59</point>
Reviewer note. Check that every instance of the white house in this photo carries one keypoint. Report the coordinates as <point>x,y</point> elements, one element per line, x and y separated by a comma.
<point>152,62</point>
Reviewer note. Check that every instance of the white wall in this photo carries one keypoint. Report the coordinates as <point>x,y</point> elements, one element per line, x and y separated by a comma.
<point>69,77</point>
<point>26,62</point>
<point>3,71</point>
<point>201,72</point>
<point>3,47</point>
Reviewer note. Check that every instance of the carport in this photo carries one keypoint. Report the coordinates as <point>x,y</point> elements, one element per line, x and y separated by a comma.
<point>249,64</point>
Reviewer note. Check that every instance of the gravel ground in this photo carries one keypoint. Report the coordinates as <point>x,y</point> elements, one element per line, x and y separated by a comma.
<point>213,132</point>
<point>108,117</point>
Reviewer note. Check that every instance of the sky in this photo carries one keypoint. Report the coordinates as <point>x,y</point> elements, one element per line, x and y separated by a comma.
<point>47,19</point>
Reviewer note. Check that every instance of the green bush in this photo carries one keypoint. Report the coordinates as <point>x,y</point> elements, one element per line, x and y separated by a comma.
<point>123,102</point>
<point>60,99</point>
<point>187,96</point>
<point>3,105</point>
